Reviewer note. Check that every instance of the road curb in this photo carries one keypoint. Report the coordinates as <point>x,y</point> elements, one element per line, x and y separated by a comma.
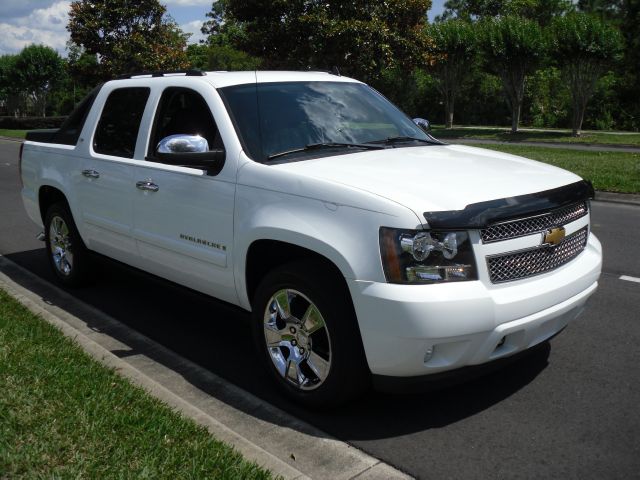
<point>12,139</point>
<point>261,432</point>
<point>626,198</point>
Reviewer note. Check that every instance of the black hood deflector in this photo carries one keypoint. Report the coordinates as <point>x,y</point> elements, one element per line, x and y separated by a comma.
<point>483,214</point>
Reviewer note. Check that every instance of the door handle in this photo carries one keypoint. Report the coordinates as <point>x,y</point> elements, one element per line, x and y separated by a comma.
<point>90,174</point>
<point>147,185</point>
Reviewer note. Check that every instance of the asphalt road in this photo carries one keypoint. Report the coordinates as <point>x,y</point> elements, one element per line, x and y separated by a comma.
<point>570,410</point>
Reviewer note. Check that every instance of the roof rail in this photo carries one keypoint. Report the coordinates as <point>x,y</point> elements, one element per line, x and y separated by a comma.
<point>162,73</point>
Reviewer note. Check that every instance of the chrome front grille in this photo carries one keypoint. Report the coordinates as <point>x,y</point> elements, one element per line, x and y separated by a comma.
<point>539,223</point>
<point>534,261</point>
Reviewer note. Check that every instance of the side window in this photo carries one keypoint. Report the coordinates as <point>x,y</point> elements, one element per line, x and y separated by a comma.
<point>183,111</point>
<point>119,123</point>
<point>72,127</point>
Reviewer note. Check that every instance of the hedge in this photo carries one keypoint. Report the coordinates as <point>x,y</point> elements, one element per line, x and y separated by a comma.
<point>30,123</point>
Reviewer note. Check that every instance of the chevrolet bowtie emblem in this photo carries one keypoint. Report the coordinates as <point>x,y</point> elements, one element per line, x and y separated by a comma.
<point>554,236</point>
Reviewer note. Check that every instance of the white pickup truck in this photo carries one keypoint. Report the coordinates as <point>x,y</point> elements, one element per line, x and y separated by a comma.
<point>364,248</point>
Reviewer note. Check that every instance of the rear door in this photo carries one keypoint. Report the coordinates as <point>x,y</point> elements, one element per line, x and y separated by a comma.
<point>184,216</point>
<point>106,186</point>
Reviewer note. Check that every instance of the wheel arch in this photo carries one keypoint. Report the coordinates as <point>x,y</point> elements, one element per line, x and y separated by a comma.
<point>47,196</point>
<point>265,254</point>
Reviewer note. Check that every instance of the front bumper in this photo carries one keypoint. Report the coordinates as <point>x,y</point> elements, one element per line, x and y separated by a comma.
<point>468,323</point>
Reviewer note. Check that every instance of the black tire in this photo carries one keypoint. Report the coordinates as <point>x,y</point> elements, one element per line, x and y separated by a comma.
<point>336,343</point>
<point>68,256</point>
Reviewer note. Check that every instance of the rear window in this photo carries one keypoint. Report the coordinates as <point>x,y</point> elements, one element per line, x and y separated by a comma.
<point>119,123</point>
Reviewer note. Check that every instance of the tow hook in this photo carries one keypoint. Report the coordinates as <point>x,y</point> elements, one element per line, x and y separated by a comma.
<point>40,236</point>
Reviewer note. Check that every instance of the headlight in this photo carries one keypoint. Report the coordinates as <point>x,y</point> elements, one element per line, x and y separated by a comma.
<point>413,256</point>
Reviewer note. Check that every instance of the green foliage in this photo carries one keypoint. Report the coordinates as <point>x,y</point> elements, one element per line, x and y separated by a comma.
<point>511,42</point>
<point>513,47</point>
<point>546,99</point>
<point>220,57</point>
<point>583,38</point>
<point>8,82</point>
<point>585,47</point>
<point>127,36</point>
<point>363,38</point>
<point>27,79</point>
<point>453,48</point>
<point>542,11</point>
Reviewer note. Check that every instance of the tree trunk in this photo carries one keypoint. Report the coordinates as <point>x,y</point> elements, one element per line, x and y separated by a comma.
<point>515,116</point>
<point>448,123</point>
<point>513,84</point>
<point>450,117</point>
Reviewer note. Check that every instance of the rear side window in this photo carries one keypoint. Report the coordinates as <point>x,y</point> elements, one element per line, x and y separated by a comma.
<point>70,130</point>
<point>119,123</point>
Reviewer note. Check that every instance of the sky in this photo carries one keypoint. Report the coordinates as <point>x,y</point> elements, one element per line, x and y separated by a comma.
<point>23,22</point>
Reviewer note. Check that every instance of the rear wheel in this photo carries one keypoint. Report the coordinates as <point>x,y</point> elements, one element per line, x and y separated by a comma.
<point>68,256</point>
<point>306,331</point>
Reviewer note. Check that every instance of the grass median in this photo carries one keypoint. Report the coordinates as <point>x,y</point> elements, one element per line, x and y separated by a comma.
<point>550,136</point>
<point>4,132</point>
<point>609,171</point>
<point>63,415</point>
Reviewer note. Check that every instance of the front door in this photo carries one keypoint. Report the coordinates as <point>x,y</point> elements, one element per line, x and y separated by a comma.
<point>184,216</point>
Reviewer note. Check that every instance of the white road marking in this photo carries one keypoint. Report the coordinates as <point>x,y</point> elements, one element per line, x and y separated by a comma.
<point>630,279</point>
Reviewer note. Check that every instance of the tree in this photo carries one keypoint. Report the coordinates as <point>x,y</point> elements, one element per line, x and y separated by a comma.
<point>220,57</point>
<point>513,47</point>
<point>362,37</point>
<point>453,50</point>
<point>127,36</point>
<point>38,69</point>
<point>542,11</point>
<point>585,47</point>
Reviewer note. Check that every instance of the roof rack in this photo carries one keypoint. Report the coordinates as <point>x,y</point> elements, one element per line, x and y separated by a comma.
<point>188,73</point>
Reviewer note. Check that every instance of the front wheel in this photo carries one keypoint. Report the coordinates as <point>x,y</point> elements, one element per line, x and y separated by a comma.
<point>306,331</point>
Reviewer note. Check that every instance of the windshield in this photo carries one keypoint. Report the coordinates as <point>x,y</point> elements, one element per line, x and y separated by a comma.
<point>277,118</point>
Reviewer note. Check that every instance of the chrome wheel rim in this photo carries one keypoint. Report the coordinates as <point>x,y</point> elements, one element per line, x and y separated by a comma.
<point>60,241</point>
<point>297,339</point>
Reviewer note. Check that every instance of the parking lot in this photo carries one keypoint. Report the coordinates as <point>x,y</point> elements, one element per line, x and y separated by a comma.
<point>569,410</point>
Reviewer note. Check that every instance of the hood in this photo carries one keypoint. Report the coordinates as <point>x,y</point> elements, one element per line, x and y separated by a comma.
<point>435,177</point>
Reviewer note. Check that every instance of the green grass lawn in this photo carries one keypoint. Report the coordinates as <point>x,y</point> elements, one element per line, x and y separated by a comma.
<point>609,171</point>
<point>63,415</point>
<point>12,133</point>
<point>559,136</point>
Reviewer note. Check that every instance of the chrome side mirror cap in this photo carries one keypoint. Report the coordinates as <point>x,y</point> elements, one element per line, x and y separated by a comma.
<point>183,143</point>
<point>423,123</point>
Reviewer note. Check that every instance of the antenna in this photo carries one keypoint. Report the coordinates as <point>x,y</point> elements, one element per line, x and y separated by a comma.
<point>336,71</point>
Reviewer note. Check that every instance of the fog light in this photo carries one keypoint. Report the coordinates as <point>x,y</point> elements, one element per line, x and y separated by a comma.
<point>428,354</point>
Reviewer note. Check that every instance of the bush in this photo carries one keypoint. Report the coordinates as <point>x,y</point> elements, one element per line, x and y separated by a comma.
<point>30,123</point>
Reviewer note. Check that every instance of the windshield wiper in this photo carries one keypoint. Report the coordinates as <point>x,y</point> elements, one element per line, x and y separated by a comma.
<point>392,140</point>
<point>318,146</point>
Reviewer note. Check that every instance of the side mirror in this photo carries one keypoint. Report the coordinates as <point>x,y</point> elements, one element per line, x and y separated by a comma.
<point>422,123</point>
<point>189,151</point>
<point>183,144</point>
